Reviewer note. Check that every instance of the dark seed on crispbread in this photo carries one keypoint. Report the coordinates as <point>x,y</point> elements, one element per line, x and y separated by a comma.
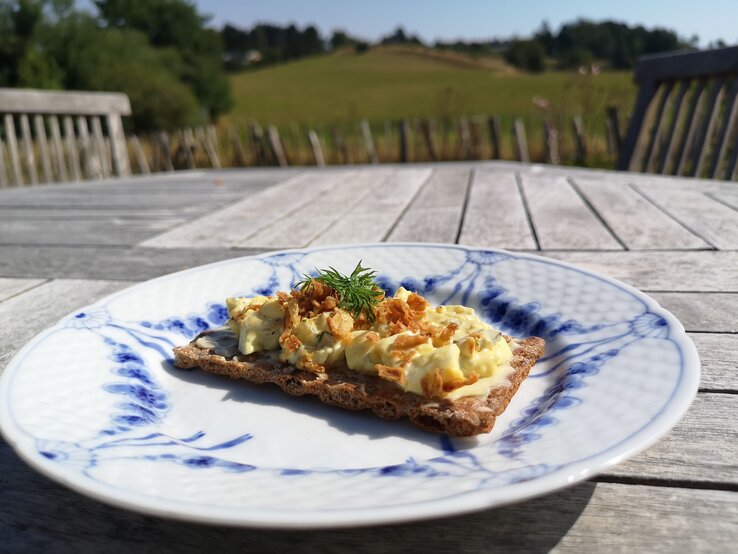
<point>350,390</point>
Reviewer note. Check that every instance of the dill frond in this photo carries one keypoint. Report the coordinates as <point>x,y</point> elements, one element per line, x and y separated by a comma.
<point>357,293</point>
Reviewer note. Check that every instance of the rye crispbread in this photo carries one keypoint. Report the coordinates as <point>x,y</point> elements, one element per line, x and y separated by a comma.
<point>353,391</point>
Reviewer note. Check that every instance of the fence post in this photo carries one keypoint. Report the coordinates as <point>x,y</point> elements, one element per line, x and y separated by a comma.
<point>256,137</point>
<point>317,149</point>
<point>426,128</point>
<point>581,145</point>
<point>614,140</point>
<point>551,141</point>
<point>238,154</point>
<point>521,142</point>
<point>404,130</point>
<point>369,141</point>
<point>464,138</point>
<point>276,145</point>
<point>141,162</point>
<point>493,123</point>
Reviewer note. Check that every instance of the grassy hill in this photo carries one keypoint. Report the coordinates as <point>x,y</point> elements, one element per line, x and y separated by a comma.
<point>393,82</point>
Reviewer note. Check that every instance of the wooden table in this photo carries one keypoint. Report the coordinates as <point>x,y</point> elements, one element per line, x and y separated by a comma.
<point>63,246</point>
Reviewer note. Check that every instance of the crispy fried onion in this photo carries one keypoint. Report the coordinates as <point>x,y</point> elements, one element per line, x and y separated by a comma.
<point>434,386</point>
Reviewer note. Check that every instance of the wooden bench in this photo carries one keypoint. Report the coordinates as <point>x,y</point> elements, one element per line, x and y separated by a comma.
<point>684,120</point>
<point>95,149</point>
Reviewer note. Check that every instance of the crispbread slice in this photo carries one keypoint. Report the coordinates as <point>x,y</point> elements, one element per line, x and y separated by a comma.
<point>353,391</point>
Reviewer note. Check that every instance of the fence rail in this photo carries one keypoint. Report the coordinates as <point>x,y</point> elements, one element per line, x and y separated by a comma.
<point>84,149</point>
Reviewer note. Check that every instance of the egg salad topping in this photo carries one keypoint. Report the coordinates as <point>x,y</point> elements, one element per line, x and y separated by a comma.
<point>437,352</point>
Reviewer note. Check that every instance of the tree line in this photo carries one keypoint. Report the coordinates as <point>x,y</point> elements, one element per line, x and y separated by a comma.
<point>172,64</point>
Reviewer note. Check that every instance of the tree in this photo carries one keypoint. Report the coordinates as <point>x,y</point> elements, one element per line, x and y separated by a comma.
<point>177,24</point>
<point>526,54</point>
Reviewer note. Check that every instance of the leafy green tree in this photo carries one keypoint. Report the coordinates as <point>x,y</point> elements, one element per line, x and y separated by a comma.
<point>177,24</point>
<point>527,54</point>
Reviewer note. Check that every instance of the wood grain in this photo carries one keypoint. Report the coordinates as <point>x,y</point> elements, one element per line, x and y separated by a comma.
<point>435,214</point>
<point>12,287</point>
<point>495,215</point>
<point>372,219</point>
<point>662,271</point>
<point>719,357</point>
<point>705,312</point>
<point>714,222</point>
<point>635,220</point>
<point>294,229</point>
<point>702,448</point>
<point>243,219</point>
<point>560,217</point>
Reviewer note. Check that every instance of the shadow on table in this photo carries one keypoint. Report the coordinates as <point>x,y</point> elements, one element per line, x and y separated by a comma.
<point>37,514</point>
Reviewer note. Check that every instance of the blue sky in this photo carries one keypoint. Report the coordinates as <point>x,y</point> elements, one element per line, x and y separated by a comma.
<point>479,19</point>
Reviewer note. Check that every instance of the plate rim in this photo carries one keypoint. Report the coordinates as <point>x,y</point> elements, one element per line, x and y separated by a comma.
<point>661,423</point>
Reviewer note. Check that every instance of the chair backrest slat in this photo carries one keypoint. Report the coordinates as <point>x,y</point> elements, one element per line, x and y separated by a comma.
<point>60,164</point>
<point>70,139</point>
<point>667,154</point>
<point>684,118</point>
<point>13,149</point>
<point>709,119</point>
<point>39,128</point>
<point>726,130</point>
<point>690,125</point>
<point>658,124</point>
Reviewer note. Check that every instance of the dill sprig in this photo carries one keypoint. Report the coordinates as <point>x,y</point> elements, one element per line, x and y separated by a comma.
<point>357,293</point>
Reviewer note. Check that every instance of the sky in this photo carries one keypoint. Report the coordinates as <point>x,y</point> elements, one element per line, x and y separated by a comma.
<point>478,19</point>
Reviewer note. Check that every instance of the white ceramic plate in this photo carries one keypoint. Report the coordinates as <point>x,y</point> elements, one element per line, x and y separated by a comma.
<point>94,403</point>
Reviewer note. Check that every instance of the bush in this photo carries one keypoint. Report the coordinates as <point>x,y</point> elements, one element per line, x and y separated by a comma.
<point>526,54</point>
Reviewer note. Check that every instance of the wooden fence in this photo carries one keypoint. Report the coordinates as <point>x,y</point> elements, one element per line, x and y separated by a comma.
<point>543,139</point>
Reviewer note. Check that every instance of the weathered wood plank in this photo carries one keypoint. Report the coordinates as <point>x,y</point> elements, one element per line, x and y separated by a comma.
<point>28,150</point>
<point>715,223</point>
<point>435,213</point>
<point>635,220</point>
<point>315,216</point>
<point>696,271</point>
<point>141,161</point>
<point>560,218</point>
<point>317,148</point>
<point>666,157</point>
<point>494,126</point>
<point>121,162</point>
<point>71,142</point>
<point>82,231</point>
<point>726,131</point>
<point>12,287</point>
<point>614,517</point>
<point>690,128</point>
<point>719,357</point>
<point>3,169</point>
<point>702,447</point>
<point>275,144</point>
<point>520,141</point>
<point>656,131</point>
<point>629,157</point>
<point>12,142</point>
<point>43,306</point>
<point>371,151</point>
<point>704,138</point>
<point>712,312</point>
<point>43,146</point>
<point>21,100</point>
<point>99,146</point>
<point>495,215</point>
<point>243,218</point>
<point>373,218</point>
<point>107,262</point>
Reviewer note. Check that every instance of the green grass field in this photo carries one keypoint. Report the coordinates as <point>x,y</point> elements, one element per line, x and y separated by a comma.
<point>389,83</point>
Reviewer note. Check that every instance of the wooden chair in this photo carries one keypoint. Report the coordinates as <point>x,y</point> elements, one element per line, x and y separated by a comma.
<point>96,149</point>
<point>684,120</point>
